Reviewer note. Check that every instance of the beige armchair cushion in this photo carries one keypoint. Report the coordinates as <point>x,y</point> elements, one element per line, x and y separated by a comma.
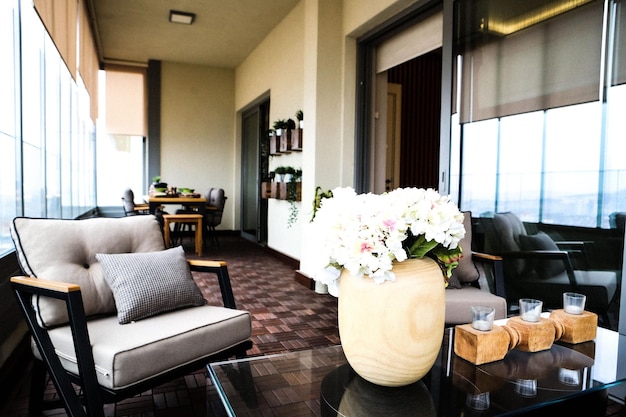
<point>459,303</point>
<point>133,352</point>
<point>70,256</point>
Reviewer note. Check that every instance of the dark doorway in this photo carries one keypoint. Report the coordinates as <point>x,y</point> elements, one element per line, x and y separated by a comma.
<point>420,80</point>
<point>254,170</point>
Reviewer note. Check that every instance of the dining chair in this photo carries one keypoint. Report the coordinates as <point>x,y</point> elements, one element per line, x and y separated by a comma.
<point>216,201</point>
<point>130,207</point>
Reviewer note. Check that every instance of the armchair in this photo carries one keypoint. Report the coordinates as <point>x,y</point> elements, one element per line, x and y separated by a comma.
<point>472,286</point>
<point>113,312</point>
<point>535,266</point>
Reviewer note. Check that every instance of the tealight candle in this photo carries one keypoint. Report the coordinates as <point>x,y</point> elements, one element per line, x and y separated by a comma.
<point>530,310</point>
<point>482,317</point>
<point>574,303</point>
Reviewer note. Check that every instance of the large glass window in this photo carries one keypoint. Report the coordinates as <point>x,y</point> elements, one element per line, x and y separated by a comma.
<point>10,187</point>
<point>537,134</point>
<point>48,167</point>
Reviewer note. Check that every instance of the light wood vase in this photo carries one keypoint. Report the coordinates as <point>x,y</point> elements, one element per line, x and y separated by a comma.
<point>391,333</point>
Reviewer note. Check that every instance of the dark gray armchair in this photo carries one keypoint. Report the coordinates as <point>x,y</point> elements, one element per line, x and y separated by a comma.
<point>536,267</point>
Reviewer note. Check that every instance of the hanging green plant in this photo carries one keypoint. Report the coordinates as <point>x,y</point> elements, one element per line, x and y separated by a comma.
<point>317,200</point>
<point>292,196</point>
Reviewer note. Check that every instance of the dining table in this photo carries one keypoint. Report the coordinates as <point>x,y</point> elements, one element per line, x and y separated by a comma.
<point>189,201</point>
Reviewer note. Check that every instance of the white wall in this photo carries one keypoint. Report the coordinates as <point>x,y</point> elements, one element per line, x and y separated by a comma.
<point>277,66</point>
<point>197,131</point>
<point>307,62</point>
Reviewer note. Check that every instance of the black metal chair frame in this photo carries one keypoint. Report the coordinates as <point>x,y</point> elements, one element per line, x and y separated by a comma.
<point>93,395</point>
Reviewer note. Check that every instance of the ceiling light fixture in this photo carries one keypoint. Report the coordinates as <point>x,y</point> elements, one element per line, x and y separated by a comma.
<point>182,17</point>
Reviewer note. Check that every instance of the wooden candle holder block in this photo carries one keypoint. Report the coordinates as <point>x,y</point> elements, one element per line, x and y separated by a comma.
<point>577,328</point>
<point>536,336</point>
<point>275,190</point>
<point>478,347</point>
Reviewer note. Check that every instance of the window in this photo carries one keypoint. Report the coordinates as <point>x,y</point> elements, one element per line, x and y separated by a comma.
<point>537,135</point>
<point>10,195</point>
<point>49,165</point>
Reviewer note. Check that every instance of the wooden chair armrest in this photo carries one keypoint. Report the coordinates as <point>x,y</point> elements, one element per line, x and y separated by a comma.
<point>221,270</point>
<point>47,284</point>
<point>486,256</point>
<point>206,263</point>
<point>498,272</point>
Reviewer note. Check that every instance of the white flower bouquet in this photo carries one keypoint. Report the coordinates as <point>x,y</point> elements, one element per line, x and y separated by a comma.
<point>366,233</point>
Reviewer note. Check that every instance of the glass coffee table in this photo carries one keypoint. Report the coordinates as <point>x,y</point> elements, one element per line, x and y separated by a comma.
<point>319,382</point>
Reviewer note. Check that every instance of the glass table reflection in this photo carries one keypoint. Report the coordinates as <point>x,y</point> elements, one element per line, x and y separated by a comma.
<point>319,382</point>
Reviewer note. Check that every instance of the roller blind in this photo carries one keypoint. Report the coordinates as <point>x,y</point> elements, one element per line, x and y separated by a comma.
<point>88,62</point>
<point>619,69</point>
<point>415,41</point>
<point>551,64</point>
<point>60,20</point>
<point>125,100</point>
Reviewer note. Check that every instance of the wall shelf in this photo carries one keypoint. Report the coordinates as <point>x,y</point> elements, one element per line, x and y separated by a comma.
<point>290,140</point>
<point>282,190</point>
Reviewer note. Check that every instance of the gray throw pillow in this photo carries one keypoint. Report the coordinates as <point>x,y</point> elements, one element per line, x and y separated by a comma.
<point>545,268</point>
<point>146,284</point>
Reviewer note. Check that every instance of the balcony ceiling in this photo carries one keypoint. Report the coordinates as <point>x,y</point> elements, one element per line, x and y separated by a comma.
<point>223,34</point>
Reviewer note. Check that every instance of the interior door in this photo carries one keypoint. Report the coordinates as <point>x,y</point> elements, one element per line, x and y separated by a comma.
<point>254,170</point>
<point>394,119</point>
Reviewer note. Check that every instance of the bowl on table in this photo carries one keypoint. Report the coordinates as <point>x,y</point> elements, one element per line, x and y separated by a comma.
<point>186,191</point>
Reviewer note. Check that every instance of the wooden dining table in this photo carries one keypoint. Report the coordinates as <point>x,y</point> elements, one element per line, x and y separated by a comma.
<point>155,202</point>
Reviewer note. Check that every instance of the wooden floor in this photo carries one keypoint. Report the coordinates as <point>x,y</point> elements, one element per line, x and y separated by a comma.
<point>285,316</point>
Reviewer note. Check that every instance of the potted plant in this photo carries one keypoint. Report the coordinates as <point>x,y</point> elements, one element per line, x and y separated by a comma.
<point>300,118</point>
<point>399,246</point>
<point>278,173</point>
<point>297,176</point>
<point>279,125</point>
<point>157,185</point>
<point>289,174</point>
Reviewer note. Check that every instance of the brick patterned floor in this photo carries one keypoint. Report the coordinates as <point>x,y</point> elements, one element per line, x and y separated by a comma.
<point>286,316</point>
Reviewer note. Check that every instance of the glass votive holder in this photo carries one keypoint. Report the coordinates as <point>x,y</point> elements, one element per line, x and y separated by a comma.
<point>526,387</point>
<point>569,376</point>
<point>574,303</point>
<point>479,402</point>
<point>530,309</point>
<point>482,317</point>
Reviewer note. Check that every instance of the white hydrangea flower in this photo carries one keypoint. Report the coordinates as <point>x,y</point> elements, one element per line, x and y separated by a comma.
<point>364,233</point>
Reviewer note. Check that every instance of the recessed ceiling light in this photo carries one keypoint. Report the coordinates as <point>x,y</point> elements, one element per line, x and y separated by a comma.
<point>182,17</point>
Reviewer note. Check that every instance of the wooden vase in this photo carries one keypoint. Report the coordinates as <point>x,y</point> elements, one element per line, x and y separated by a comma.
<point>391,333</point>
